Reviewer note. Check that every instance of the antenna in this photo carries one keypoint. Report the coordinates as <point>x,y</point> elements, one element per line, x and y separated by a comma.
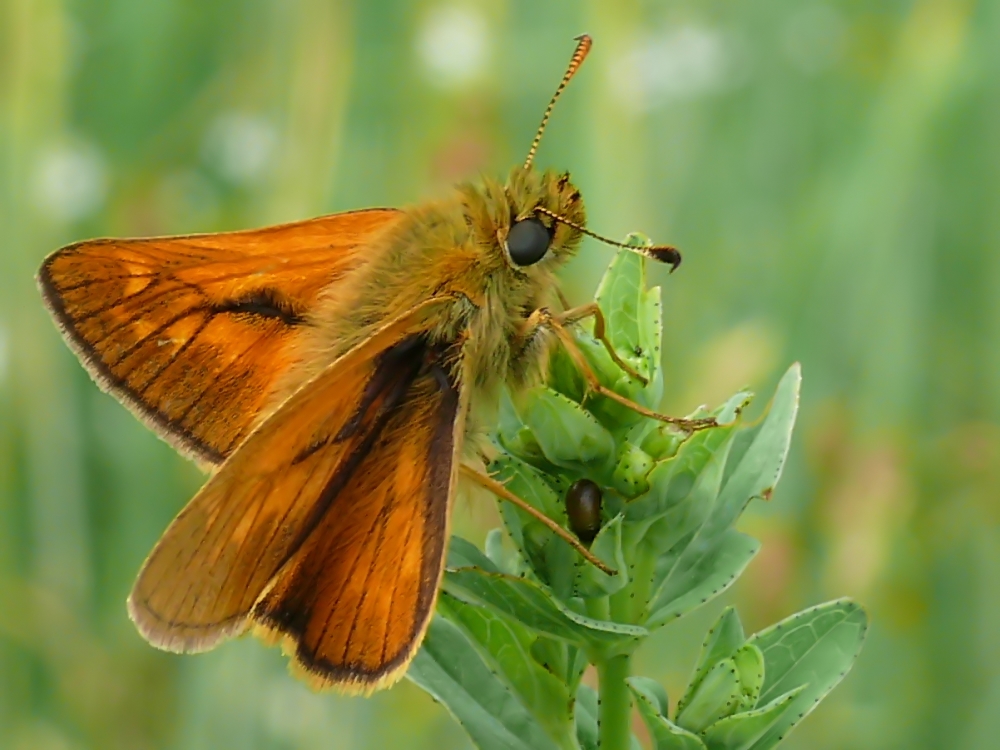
<point>662,253</point>
<point>579,55</point>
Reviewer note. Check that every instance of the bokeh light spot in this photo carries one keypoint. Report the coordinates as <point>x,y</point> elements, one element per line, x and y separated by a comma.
<point>70,181</point>
<point>453,45</point>
<point>240,147</point>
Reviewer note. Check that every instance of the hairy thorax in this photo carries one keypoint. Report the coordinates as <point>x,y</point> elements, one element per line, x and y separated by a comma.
<point>454,250</point>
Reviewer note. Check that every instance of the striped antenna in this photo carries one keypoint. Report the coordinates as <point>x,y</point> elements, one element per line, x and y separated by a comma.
<point>579,55</point>
<point>662,253</point>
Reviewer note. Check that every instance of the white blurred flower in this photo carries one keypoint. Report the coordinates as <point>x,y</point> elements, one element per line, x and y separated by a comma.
<point>240,146</point>
<point>814,38</point>
<point>453,45</point>
<point>681,63</point>
<point>70,181</point>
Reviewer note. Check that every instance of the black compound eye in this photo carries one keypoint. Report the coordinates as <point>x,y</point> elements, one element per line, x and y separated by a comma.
<point>528,241</point>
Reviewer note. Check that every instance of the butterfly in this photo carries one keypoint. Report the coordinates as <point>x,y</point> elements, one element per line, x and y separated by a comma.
<point>327,373</point>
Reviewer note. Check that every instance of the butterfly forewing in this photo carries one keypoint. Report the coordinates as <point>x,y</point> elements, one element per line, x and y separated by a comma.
<point>327,526</point>
<point>193,332</point>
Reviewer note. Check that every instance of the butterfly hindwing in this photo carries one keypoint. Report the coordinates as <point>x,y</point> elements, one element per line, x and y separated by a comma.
<point>353,602</point>
<point>193,332</point>
<point>327,525</point>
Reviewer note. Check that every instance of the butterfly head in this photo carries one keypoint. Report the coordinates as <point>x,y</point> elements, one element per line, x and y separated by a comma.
<point>545,213</point>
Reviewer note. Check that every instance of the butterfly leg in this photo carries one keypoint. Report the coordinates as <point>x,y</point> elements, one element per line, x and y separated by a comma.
<point>591,310</point>
<point>543,318</point>
<point>498,489</point>
<point>562,299</point>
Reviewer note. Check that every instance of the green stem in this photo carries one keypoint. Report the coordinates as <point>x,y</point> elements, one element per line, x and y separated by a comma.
<point>598,608</point>
<point>614,711</point>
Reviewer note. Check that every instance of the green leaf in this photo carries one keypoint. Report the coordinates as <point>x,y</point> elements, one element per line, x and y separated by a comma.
<point>741,731</point>
<point>752,463</point>
<point>494,549</point>
<point>551,558</point>
<point>721,642</point>
<point>586,717</point>
<point>619,295</point>
<point>632,312</point>
<point>758,454</point>
<point>564,660</point>
<point>514,435</point>
<point>815,649</point>
<point>568,435</point>
<point>651,700</point>
<point>717,696</point>
<point>672,482</point>
<point>451,669</point>
<point>703,578</point>
<point>633,317</point>
<point>464,554</point>
<point>473,578</point>
<point>505,647</point>
<point>651,691</point>
<point>592,582</point>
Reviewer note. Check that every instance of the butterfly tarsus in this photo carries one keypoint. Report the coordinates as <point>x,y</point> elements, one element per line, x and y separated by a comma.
<point>556,323</point>
<point>498,489</point>
<point>591,310</point>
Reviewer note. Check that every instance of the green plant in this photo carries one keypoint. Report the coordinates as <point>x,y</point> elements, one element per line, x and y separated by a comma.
<point>517,626</point>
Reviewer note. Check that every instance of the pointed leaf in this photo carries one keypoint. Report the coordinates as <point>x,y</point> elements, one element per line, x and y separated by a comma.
<point>505,647</point>
<point>586,717</point>
<point>568,435</point>
<point>590,581</point>
<point>716,697</point>
<point>619,296</point>
<point>814,648</point>
<point>652,708</point>
<point>704,578</point>
<point>741,731</point>
<point>476,581</point>
<point>551,558</point>
<point>721,642</point>
<point>652,691</point>
<point>449,668</point>
<point>758,454</point>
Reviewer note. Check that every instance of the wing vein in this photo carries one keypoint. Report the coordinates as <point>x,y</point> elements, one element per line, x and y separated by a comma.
<point>177,354</point>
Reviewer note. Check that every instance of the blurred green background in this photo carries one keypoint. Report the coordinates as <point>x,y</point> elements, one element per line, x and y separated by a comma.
<point>831,170</point>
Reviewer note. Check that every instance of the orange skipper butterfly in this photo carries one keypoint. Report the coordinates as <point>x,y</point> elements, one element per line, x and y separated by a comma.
<point>324,370</point>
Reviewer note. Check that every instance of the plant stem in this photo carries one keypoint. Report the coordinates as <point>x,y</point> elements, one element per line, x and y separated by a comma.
<point>598,608</point>
<point>614,713</point>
